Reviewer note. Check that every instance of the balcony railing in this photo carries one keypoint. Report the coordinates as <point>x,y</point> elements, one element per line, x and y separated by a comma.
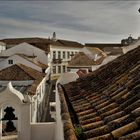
<point>57,61</point>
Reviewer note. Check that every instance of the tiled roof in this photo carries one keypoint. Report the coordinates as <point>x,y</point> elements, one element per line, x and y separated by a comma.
<point>42,42</point>
<point>19,72</point>
<point>107,101</point>
<point>69,132</point>
<point>68,43</point>
<point>15,41</point>
<point>82,59</point>
<point>97,51</point>
<point>113,49</point>
<point>32,59</point>
<point>103,45</point>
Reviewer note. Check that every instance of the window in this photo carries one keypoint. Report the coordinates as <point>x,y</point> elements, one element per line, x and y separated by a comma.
<point>54,54</point>
<point>59,69</point>
<point>43,70</point>
<point>10,61</point>
<point>68,69</point>
<point>68,54</point>
<point>64,69</point>
<point>59,55</point>
<point>72,54</point>
<point>54,69</point>
<point>64,55</point>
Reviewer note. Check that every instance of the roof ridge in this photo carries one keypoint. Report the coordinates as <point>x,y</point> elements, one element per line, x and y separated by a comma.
<point>27,72</point>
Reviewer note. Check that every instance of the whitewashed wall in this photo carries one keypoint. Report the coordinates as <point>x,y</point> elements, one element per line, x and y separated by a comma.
<point>14,98</point>
<point>64,60</point>
<point>17,59</point>
<point>43,131</point>
<point>63,79</point>
<point>27,49</point>
<point>38,98</point>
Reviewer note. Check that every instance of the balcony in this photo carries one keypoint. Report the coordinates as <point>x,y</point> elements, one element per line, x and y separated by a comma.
<point>57,61</point>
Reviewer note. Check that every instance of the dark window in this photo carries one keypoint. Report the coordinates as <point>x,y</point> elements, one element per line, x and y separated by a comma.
<point>54,69</point>
<point>54,54</point>
<point>59,55</point>
<point>10,61</point>
<point>64,55</point>
<point>59,69</point>
<point>64,69</point>
<point>68,54</point>
<point>43,70</point>
<point>72,54</point>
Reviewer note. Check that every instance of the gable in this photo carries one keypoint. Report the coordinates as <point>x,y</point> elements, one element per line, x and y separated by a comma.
<point>19,72</point>
<point>106,102</point>
<point>14,73</point>
<point>23,47</point>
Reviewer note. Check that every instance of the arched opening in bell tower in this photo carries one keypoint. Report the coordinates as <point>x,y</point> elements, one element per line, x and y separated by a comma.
<point>9,122</point>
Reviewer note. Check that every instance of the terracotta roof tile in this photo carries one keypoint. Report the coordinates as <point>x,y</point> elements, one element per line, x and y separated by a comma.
<point>43,66</point>
<point>82,59</point>
<point>103,45</point>
<point>113,48</point>
<point>107,101</point>
<point>19,72</point>
<point>42,43</point>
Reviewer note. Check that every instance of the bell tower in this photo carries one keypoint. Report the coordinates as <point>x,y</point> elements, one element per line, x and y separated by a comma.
<point>14,114</point>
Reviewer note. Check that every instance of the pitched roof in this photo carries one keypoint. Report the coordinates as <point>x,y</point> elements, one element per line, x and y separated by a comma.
<point>19,72</point>
<point>82,59</point>
<point>103,45</point>
<point>69,43</point>
<point>42,42</point>
<point>106,103</point>
<point>96,50</point>
<point>32,59</point>
<point>15,41</point>
<point>113,49</point>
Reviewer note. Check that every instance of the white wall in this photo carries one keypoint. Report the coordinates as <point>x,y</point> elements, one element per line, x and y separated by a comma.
<point>63,49</point>
<point>67,77</point>
<point>2,48</point>
<point>105,61</point>
<point>64,60</point>
<point>88,52</point>
<point>63,79</point>
<point>78,68</point>
<point>38,99</point>
<point>27,49</point>
<point>14,98</point>
<point>17,59</point>
<point>43,131</point>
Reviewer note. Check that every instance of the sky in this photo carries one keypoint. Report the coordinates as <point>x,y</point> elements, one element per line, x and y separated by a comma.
<point>83,21</point>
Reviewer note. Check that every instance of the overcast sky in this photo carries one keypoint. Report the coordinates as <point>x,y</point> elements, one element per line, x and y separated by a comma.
<point>90,21</point>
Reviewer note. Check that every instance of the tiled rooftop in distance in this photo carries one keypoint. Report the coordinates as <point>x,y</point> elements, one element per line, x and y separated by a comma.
<point>107,101</point>
<point>42,43</point>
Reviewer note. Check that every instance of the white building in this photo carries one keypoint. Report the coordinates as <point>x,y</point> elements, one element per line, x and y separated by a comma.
<point>87,59</point>
<point>54,52</point>
<point>29,50</point>
<point>30,61</point>
<point>61,54</point>
<point>2,46</point>
<point>20,107</point>
<point>29,82</point>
